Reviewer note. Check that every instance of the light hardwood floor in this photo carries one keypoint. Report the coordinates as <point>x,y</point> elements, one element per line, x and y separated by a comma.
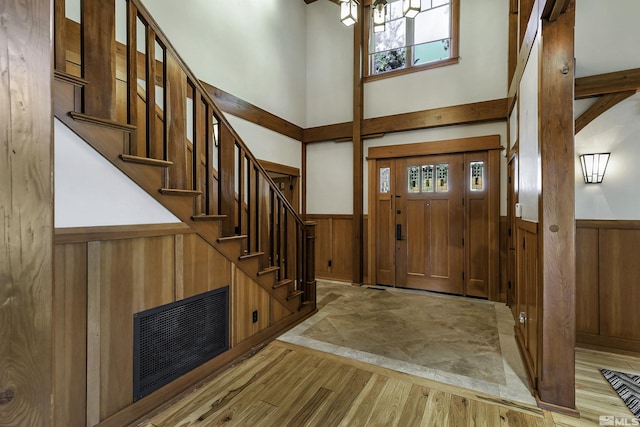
<point>288,385</point>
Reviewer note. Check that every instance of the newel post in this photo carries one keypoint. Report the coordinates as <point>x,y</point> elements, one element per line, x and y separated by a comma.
<point>310,268</point>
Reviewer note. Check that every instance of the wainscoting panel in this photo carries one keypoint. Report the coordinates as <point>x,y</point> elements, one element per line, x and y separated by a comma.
<point>203,268</point>
<point>607,271</point>
<point>334,258</point>
<point>247,297</point>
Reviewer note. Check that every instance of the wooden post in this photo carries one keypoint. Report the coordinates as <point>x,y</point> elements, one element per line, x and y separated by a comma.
<point>310,272</point>
<point>358,159</point>
<point>26,213</point>
<point>556,376</point>
<point>226,176</point>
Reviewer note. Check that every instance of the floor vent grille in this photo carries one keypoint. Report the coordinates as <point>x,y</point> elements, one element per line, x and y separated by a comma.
<point>171,340</point>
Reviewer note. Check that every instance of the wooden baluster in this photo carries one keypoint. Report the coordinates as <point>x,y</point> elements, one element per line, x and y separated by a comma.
<point>274,232</point>
<point>138,140</point>
<point>241,192</point>
<point>200,142</point>
<point>310,264</point>
<point>175,119</point>
<point>155,145</point>
<point>226,180</point>
<point>98,58</point>
<point>60,22</point>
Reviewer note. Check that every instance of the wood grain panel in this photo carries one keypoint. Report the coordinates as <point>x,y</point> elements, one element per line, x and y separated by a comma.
<point>619,272</point>
<point>418,255</point>
<point>133,275</point>
<point>341,248</point>
<point>26,211</point>
<point>204,268</point>
<point>70,334</point>
<point>98,58</point>
<point>600,84</point>
<point>478,249</point>
<point>246,297</point>
<point>460,145</point>
<point>278,311</point>
<point>587,280</point>
<point>323,246</point>
<point>440,238</point>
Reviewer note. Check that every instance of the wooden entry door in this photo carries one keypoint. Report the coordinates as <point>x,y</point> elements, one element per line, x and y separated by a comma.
<point>420,223</point>
<point>430,223</point>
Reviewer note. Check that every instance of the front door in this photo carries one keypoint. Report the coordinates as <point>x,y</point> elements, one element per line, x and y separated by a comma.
<point>425,209</point>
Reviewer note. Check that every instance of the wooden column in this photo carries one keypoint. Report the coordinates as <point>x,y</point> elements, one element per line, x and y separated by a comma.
<point>556,376</point>
<point>26,212</point>
<point>358,159</point>
<point>98,54</point>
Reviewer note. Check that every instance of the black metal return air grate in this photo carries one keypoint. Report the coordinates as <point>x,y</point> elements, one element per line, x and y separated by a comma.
<point>171,340</point>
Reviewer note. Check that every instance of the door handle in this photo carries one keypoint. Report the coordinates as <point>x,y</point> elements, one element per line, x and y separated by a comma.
<point>398,231</point>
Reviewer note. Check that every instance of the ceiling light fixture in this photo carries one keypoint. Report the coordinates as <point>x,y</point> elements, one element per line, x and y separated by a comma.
<point>410,8</point>
<point>349,12</point>
<point>379,15</point>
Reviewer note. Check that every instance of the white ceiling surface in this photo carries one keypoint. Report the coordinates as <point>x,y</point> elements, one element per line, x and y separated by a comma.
<point>607,36</point>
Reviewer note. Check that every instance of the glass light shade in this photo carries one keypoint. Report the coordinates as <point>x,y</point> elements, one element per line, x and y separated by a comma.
<point>410,8</point>
<point>594,166</point>
<point>349,12</point>
<point>379,15</point>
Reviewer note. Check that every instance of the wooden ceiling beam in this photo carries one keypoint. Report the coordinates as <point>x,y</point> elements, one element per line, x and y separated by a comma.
<point>600,106</point>
<point>602,84</point>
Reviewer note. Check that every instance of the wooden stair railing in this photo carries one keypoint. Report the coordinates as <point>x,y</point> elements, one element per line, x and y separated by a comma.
<point>171,121</point>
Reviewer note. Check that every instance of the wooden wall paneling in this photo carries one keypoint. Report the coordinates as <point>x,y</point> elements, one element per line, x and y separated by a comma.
<point>131,276</point>
<point>504,251</point>
<point>99,66</point>
<point>70,335</point>
<point>587,276</point>
<point>557,214</point>
<point>365,241</point>
<point>26,212</point>
<point>176,118</point>
<point>618,277</point>
<point>204,268</point>
<point>494,224</point>
<point>246,297</point>
<point>323,245</point>
<point>460,145</point>
<point>278,311</point>
<point>371,223</point>
<point>341,248</point>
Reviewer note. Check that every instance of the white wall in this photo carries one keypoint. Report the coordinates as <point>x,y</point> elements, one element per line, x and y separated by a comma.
<point>607,36</point>
<point>529,179</point>
<point>254,49</point>
<point>607,40</point>
<point>329,66</point>
<point>330,178</point>
<point>90,191</point>
<point>616,131</point>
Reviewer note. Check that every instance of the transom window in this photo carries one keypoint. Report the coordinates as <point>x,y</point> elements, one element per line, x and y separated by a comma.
<point>428,40</point>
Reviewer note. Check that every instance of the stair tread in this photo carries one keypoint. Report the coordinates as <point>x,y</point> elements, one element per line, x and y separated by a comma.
<point>70,78</point>
<point>179,192</point>
<point>207,217</point>
<point>294,294</point>
<point>250,255</point>
<point>268,270</point>
<point>145,160</point>
<point>80,117</point>
<point>282,283</point>
<point>231,238</point>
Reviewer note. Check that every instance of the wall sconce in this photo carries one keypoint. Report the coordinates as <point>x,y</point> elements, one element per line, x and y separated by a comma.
<point>349,12</point>
<point>410,8</point>
<point>594,166</point>
<point>379,15</point>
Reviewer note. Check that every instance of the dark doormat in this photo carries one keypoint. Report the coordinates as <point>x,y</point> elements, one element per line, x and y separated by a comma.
<point>628,388</point>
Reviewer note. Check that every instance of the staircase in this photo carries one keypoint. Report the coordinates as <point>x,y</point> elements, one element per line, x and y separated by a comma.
<point>140,106</point>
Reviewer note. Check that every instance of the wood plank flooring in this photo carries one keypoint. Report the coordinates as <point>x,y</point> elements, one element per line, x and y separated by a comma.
<point>288,385</point>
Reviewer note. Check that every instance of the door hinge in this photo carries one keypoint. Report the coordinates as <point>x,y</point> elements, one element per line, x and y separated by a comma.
<point>463,241</point>
<point>509,231</point>
<point>290,187</point>
<point>523,243</point>
<point>463,201</point>
<point>509,284</point>
<point>463,276</point>
<point>509,181</point>
<point>330,262</point>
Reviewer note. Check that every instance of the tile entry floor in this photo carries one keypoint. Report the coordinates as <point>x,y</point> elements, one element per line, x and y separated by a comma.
<point>460,341</point>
